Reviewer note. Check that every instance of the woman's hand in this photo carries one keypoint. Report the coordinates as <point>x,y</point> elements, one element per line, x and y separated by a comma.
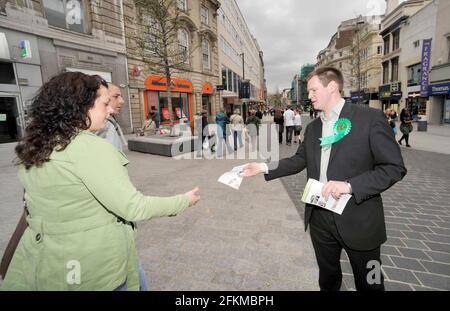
<point>193,196</point>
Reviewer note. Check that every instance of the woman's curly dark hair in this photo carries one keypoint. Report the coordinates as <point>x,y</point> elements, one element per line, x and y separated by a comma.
<point>58,113</point>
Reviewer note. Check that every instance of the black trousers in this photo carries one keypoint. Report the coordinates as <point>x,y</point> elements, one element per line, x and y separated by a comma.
<point>328,246</point>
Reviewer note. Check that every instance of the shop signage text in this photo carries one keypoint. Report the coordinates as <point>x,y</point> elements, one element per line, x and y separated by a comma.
<point>426,56</point>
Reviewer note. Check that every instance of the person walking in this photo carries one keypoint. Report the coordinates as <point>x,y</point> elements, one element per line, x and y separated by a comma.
<point>351,150</point>
<point>253,123</point>
<point>289,123</point>
<point>297,126</point>
<point>222,122</point>
<point>237,126</point>
<point>279,121</point>
<point>406,126</point>
<point>81,232</point>
<point>112,132</point>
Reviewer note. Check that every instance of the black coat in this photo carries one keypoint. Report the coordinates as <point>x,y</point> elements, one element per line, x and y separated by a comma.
<point>368,158</point>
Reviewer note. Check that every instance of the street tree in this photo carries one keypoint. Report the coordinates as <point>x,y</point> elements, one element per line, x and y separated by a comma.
<point>161,40</point>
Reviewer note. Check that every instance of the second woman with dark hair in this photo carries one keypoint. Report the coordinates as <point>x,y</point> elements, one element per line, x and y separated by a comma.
<point>80,233</point>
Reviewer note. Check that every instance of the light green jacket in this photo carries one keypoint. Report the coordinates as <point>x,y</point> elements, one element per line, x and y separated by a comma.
<point>74,240</point>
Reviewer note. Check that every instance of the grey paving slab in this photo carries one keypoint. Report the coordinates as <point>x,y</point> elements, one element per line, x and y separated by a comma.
<point>397,286</point>
<point>414,235</point>
<point>433,280</point>
<point>413,253</point>
<point>437,268</point>
<point>407,263</point>
<point>439,256</point>
<point>415,244</point>
<point>401,275</point>
<point>441,247</point>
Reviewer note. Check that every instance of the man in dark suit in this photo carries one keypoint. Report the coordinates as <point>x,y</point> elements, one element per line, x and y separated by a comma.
<point>363,163</point>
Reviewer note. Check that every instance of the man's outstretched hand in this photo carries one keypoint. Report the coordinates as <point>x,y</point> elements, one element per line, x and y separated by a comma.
<point>253,169</point>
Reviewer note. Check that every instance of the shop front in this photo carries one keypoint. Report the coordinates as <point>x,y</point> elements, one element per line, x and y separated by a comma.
<point>20,79</point>
<point>390,96</point>
<point>416,103</point>
<point>361,97</point>
<point>169,107</point>
<point>207,92</point>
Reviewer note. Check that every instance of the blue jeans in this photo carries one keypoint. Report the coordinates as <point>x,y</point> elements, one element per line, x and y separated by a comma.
<point>143,286</point>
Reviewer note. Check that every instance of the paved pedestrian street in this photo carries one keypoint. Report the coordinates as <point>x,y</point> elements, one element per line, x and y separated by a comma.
<point>254,238</point>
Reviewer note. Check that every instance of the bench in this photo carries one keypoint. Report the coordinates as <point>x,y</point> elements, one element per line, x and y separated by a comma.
<point>164,145</point>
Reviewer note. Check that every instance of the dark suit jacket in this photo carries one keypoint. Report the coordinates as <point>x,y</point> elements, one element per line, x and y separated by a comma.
<point>368,158</point>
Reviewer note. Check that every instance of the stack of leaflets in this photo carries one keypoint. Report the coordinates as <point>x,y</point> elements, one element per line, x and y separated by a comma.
<point>313,195</point>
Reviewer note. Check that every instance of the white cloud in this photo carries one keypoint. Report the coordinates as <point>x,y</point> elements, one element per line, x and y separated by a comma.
<point>292,32</point>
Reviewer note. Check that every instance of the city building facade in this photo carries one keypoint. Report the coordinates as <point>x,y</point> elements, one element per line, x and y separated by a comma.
<point>39,39</point>
<point>438,109</point>
<point>338,53</point>
<point>390,90</point>
<point>412,42</point>
<point>240,59</point>
<point>193,84</point>
<point>366,61</point>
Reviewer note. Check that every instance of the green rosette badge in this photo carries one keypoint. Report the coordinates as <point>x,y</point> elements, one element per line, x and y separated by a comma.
<point>341,129</point>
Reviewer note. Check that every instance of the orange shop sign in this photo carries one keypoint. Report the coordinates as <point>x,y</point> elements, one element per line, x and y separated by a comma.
<point>159,83</point>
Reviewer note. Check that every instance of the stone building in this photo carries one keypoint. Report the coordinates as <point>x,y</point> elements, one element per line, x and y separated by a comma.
<point>39,39</point>
<point>194,84</point>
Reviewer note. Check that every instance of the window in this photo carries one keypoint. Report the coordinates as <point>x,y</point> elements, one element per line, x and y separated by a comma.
<point>414,74</point>
<point>394,65</point>
<point>379,49</point>
<point>205,54</point>
<point>416,43</point>
<point>182,5</point>
<point>230,81</point>
<point>448,46</point>
<point>386,72</point>
<point>396,40</point>
<point>204,15</point>
<point>224,78</point>
<point>67,14</point>
<point>183,44</point>
<point>151,31</point>
<point>386,41</point>
<point>340,54</point>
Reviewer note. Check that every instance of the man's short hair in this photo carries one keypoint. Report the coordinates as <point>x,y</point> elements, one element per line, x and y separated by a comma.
<point>328,74</point>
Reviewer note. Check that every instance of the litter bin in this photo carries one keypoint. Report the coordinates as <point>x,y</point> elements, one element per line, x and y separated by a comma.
<point>422,124</point>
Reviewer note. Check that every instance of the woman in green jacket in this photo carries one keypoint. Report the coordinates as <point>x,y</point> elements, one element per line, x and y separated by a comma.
<point>80,233</point>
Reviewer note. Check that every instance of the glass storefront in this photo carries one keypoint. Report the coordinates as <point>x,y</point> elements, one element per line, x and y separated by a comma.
<point>157,100</point>
<point>417,106</point>
<point>180,106</point>
<point>447,109</point>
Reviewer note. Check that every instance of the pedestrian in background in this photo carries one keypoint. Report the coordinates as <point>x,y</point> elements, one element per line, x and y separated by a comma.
<point>297,126</point>
<point>253,123</point>
<point>222,123</point>
<point>237,126</point>
<point>112,132</point>
<point>289,123</point>
<point>279,121</point>
<point>80,233</point>
<point>406,126</point>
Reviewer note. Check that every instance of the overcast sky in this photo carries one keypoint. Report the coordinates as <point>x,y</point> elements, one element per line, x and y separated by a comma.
<point>292,32</point>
